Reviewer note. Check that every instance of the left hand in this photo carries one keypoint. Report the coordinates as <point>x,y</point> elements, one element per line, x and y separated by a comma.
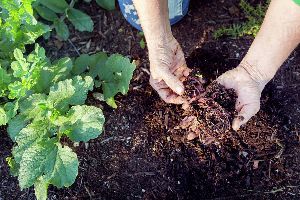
<point>248,83</point>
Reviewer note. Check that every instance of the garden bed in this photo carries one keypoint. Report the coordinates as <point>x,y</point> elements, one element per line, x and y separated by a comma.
<point>144,152</point>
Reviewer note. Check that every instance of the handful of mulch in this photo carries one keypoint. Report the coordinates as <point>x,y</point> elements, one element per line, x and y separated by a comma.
<point>211,112</point>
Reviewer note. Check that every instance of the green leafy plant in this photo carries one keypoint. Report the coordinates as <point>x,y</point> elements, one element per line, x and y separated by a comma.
<point>18,28</point>
<point>57,11</point>
<point>255,17</point>
<point>39,158</point>
<point>42,102</point>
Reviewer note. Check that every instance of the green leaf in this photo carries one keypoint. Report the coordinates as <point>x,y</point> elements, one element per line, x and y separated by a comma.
<point>111,102</point>
<point>16,125</point>
<point>46,13</point>
<point>60,94</point>
<point>58,6</point>
<point>8,111</point>
<point>61,29</point>
<point>62,166</point>
<point>13,166</point>
<point>106,4</point>
<point>34,162</point>
<point>30,107</point>
<point>116,75</point>
<point>84,123</point>
<point>70,92</point>
<point>20,66</point>
<point>41,189</point>
<point>142,43</point>
<point>29,136</point>
<point>16,90</point>
<point>3,117</point>
<point>44,81</point>
<point>5,79</point>
<point>97,62</point>
<point>81,64</point>
<point>82,86</point>
<point>62,69</point>
<point>80,20</point>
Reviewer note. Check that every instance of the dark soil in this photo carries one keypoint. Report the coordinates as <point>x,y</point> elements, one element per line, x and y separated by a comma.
<point>144,152</point>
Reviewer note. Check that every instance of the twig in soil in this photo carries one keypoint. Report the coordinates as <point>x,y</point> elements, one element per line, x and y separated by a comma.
<point>86,189</point>
<point>146,70</point>
<point>76,50</point>
<point>270,166</point>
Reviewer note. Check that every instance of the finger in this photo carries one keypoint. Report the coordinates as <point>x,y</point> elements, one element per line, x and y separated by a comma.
<point>186,72</point>
<point>173,82</point>
<point>247,111</point>
<point>238,106</point>
<point>165,93</point>
<point>175,99</point>
<point>226,80</point>
<point>169,97</point>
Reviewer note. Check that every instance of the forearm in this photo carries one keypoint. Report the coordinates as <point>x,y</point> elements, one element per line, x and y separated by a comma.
<point>154,18</point>
<point>277,38</point>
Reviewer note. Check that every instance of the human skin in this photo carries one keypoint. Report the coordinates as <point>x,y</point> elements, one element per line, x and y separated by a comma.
<point>167,63</point>
<point>278,37</point>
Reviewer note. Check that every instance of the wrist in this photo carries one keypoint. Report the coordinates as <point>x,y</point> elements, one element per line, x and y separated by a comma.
<point>256,74</point>
<point>158,40</point>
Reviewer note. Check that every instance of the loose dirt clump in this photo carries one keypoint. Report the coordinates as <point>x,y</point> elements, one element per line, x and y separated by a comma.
<point>211,110</point>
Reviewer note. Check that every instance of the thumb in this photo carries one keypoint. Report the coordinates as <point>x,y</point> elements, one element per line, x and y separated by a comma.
<point>173,82</point>
<point>246,112</point>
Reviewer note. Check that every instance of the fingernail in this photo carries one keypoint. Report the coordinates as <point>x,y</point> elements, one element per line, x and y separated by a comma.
<point>180,90</point>
<point>236,124</point>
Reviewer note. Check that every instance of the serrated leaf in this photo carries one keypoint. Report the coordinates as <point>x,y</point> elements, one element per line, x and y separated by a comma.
<point>34,161</point>
<point>70,92</point>
<point>106,4</point>
<point>116,75</point>
<point>82,87</point>
<point>29,136</point>
<point>81,64</point>
<point>58,6</point>
<point>46,13</point>
<point>80,20</point>
<point>84,123</point>
<point>61,29</point>
<point>62,167</point>
<point>60,93</point>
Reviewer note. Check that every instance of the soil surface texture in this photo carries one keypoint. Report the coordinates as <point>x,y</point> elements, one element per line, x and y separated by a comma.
<point>153,150</point>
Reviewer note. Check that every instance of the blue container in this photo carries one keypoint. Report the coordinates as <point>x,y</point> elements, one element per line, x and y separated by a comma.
<point>177,10</point>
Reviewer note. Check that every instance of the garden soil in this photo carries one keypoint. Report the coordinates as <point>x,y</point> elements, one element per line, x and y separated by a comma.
<point>146,150</point>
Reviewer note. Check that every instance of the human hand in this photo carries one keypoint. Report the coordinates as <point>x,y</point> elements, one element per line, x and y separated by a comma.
<point>248,82</point>
<point>168,70</point>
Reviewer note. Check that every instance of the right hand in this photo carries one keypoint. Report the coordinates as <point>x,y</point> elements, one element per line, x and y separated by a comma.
<point>168,70</point>
<point>248,83</point>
